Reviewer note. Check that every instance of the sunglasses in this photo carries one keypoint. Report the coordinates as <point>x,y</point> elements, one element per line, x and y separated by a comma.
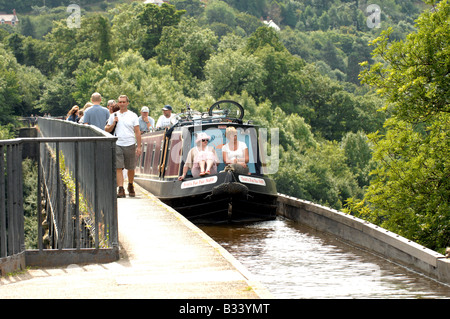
<point>204,140</point>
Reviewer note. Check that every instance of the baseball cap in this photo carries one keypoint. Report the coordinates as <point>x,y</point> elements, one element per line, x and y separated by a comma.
<point>167,108</point>
<point>145,109</point>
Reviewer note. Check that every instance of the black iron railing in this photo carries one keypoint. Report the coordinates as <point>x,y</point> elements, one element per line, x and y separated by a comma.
<point>11,199</point>
<point>76,196</point>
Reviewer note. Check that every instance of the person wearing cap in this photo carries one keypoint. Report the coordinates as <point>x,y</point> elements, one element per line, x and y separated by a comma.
<point>146,123</point>
<point>167,119</point>
<point>201,159</point>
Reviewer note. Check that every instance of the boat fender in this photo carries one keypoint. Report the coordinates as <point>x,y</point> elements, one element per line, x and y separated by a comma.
<point>231,188</point>
<point>229,177</point>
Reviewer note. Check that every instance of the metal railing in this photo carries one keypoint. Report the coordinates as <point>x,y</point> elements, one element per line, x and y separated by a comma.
<point>76,196</point>
<point>11,199</point>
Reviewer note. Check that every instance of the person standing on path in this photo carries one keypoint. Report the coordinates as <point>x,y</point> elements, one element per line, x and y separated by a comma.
<point>128,145</point>
<point>96,115</point>
<point>111,105</point>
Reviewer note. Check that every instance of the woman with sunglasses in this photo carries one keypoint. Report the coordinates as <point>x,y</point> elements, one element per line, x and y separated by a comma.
<point>202,159</point>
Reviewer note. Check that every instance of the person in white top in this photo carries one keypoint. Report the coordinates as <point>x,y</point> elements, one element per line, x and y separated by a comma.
<point>167,119</point>
<point>235,153</point>
<point>128,145</point>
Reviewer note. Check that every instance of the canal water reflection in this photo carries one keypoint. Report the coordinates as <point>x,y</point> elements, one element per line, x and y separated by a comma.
<point>294,261</point>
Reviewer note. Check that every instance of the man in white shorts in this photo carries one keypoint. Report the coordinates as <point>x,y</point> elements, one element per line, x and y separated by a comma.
<point>126,125</point>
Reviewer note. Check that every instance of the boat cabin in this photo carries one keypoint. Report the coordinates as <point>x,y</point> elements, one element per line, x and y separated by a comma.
<point>227,195</point>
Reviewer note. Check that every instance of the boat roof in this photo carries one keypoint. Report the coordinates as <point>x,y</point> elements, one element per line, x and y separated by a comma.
<point>221,112</point>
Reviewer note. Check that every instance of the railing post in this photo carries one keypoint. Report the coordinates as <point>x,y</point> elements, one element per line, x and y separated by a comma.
<point>58,199</point>
<point>114,217</point>
<point>3,238</point>
<point>77,231</point>
<point>96,214</point>
<point>39,199</point>
<point>19,199</point>
<point>10,206</point>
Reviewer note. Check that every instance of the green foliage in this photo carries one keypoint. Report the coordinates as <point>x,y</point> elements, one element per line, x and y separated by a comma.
<point>193,8</point>
<point>234,72</point>
<point>358,154</point>
<point>410,191</point>
<point>282,81</point>
<point>29,169</point>
<point>72,45</point>
<point>186,48</point>
<point>415,77</point>
<point>153,19</point>
<point>7,132</point>
<point>220,12</point>
<point>9,86</point>
<point>303,80</point>
<point>20,87</point>
<point>145,82</point>
<point>264,36</point>
<point>319,174</point>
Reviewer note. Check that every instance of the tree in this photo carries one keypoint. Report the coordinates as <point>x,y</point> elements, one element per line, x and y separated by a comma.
<point>145,82</point>
<point>358,154</point>
<point>154,18</point>
<point>70,46</point>
<point>31,83</point>
<point>194,8</point>
<point>234,72</point>
<point>9,86</point>
<point>264,36</point>
<point>57,96</point>
<point>104,46</point>
<point>253,7</point>
<point>410,190</point>
<point>87,77</point>
<point>282,82</point>
<point>186,48</point>
<point>415,78</point>
<point>127,31</point>
<point>220,12</point>
<point>15,43</point>
<point>27,28</point>
<point>319,174</point>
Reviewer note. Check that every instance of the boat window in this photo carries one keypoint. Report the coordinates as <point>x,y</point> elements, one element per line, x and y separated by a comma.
<point>153,157</point>
<point>218,140</point>
<point>144,151</point>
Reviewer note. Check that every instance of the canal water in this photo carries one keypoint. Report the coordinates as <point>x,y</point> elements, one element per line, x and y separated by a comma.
<point>294,261</point>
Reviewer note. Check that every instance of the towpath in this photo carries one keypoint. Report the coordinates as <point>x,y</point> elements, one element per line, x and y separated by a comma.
<point>163,256</point>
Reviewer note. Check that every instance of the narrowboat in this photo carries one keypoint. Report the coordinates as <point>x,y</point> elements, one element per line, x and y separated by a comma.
<point>228,196</point>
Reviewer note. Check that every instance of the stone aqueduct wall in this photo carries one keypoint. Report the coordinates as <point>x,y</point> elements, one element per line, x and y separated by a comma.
<point>366,235</point>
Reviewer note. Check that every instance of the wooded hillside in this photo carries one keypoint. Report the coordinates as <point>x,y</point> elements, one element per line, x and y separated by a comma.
<point>303,79</point>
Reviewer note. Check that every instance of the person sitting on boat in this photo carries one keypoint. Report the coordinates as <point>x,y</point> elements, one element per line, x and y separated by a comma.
<point>167,119</point>
<point>146,122</point>
<point>201,159</point>
<point>235,153</point>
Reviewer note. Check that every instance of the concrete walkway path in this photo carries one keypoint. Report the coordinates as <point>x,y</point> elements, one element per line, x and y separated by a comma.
<point>162,256</point>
